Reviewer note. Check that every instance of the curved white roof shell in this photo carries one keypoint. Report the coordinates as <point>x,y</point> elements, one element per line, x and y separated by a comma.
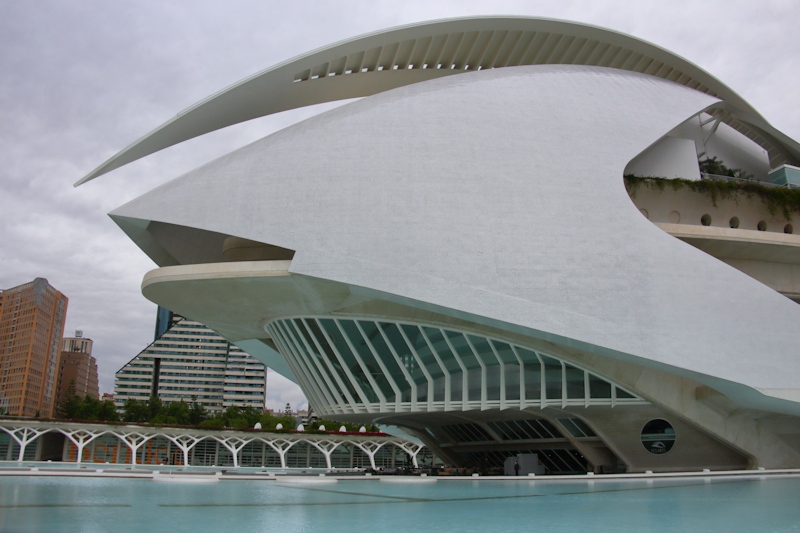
<point>388,59</point>
<point>406,196</point>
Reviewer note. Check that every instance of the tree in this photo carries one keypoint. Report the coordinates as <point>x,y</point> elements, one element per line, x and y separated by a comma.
<point>334,425</point>
<point>154,406</point>
<point>197,413</point>
<point>70,406</point>
<point>270,421</point>
<point>87,408</point>
<point>712,166</point>
<point>107,411</point>
<point>135,411</point>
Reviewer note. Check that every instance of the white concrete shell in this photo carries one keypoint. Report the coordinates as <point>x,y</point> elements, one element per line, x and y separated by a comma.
<point>491,204</point>
<point>527,201</point>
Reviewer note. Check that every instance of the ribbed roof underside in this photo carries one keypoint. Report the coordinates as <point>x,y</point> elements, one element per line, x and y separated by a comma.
<point>476,50</point>
<point>385,60</point>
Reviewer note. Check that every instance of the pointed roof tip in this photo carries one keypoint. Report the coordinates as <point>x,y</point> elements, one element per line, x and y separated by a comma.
<point>99,171</point>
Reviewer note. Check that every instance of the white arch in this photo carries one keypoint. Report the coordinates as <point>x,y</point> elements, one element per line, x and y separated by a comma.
<point>412,449</point>
<point>326,447</point>
<point>370,448</point>
<point>133,440</point>
<point>23,436</point>
<point>80,438</point>
<point>185,443</point>
<point>234,445</point>
<point>384,60</point>
<point>186,440</point>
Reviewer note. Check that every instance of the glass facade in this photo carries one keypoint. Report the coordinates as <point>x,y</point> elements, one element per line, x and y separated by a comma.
<point>368,366</point>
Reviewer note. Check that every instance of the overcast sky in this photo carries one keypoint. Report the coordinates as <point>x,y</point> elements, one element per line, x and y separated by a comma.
<point>81,80</point>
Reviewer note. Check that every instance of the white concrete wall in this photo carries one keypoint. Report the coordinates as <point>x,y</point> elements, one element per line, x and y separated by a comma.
<point>669,157</point>
<point>727,144</point>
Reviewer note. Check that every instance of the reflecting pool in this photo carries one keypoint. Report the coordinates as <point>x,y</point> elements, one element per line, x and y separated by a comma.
<point>465,505</point>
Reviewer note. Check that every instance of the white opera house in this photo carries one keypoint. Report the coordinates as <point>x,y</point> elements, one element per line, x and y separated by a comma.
<point>456,251</point>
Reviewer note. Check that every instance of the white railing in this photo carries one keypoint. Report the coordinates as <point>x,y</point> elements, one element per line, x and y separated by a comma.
<point>731,179</point>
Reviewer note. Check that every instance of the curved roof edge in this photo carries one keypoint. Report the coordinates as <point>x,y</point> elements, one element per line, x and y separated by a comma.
<point>387,59</point>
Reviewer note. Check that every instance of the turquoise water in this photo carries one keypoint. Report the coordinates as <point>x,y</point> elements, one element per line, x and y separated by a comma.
<point>121,505</point>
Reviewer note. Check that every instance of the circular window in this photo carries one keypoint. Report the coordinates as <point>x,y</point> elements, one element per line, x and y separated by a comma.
<point>788,228</point>
<point>658,436</point>
<point>645,213</point>
<point>705,220</point>
<point>734,223</point>
<point>762,225</point>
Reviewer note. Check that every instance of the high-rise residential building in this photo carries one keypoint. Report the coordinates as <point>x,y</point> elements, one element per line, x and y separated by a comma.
<point>77,369</point>
<point>32,319</point>
<point>190,362</point>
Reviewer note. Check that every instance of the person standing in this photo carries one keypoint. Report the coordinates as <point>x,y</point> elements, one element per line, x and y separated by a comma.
<point>516,468</point>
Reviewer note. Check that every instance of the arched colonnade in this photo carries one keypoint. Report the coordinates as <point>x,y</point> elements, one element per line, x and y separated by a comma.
<point>134,438</point>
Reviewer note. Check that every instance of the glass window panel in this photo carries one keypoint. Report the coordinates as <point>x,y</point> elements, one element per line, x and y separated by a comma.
<point>472,432</point>
<point>533,374</point>
<point>439,385</point>
<point>462,348</point>
<point>575,382</point>
<point>374,336</point>
<point>587,431</point>
<point>485,352</point>
<point>446,356</point>
<point>534,429</point>
<point>316,459</point>
<point>459,433</point>
<point>571,427</point>
<point>504,351</point>
<point>407,359</point>
<point>572,460</point>
<point>474,384</point>
<point>349,359</point>
<point>456,387</point>
<point>520,430</point>
<point>547,427</point>
<point>599,388</point>
<point>455,436</point>
<point>469,360</point>
<point>308,359</point>
<point>327,358</point>
<point>512,382</point>
<point>467,432</point>
<point>297,455</point>
<point>417,340</point>
<point>493,368</point>
<point>624,394</point>
<point>370,363</point>
<point>505,430</point>
<point>501,429</point>
<point>493,374</point>
<point>340,458</point>
<point>552,377</point>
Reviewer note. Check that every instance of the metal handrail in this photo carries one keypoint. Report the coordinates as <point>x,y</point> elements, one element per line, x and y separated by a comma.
<point>717,177</point>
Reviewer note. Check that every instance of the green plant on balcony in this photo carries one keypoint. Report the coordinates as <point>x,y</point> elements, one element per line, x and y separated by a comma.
<point>776,199</point>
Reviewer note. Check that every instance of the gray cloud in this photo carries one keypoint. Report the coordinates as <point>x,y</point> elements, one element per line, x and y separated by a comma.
<point>82,80</point>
